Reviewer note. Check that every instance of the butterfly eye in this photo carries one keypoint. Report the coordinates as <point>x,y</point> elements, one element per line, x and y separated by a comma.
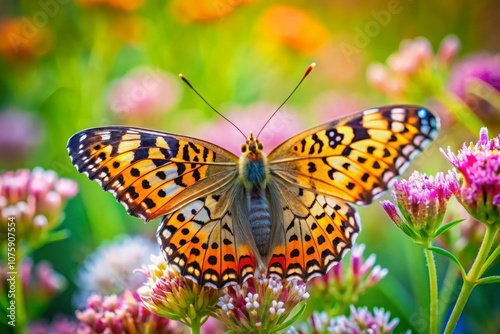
<point>243,148</point>
<point>259,145</point>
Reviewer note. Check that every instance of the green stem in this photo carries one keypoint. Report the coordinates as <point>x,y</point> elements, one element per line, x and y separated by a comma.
<point>21,317</point>
<point>472,277</point>
<point>195,326</point>
<point>490,259</point>
<point>447,292</point>
<point>433,290</point>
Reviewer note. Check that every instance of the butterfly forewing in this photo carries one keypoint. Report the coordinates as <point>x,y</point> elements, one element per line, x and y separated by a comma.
<point>355,158</point>
<point>151,173</point>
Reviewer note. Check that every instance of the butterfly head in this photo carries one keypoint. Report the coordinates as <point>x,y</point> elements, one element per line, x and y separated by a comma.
<point>253,164</point>
<point>252,149</point>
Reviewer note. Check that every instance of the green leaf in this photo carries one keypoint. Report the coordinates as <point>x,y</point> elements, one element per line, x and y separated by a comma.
<point>49,238</point>
<point>489,280</point>
<point>446,227</point>
<point>291,320</point>
<point>58,236</point>
<point>452,257</point>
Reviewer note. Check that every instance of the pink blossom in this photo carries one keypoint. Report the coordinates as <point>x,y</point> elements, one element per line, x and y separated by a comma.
<point>21,133</point>
<point>35,199</point>
<point>144,91</point>
<point>479,167</point>
<point>448,49</point>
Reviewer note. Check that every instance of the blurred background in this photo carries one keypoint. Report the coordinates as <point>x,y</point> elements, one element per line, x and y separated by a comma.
<point>67,65</point>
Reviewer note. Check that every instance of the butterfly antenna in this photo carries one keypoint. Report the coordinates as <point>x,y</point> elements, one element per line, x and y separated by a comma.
<point>309,69</point>
<point>208,104</point>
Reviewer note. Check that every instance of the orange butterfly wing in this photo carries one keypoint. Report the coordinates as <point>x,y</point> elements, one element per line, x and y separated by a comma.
<point>352,159</point>
<point>151,173</point>
<point>188,181</point>
<point>357,157</point>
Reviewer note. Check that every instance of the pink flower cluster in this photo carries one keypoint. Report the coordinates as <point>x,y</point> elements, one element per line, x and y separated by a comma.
<point>259,303</point>
<point>413,64</point>
<point>40,282</point>
<point>122,314</point>
<point>360,321</point>
<point>422,202</point>
<point>345,283</point>
<point>34,200</point>
<point>479,167</point>
<point>21,133</point>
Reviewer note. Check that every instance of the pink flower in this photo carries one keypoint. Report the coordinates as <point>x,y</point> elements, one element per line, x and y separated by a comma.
<point>412,55</point>
<point>40,282</point>
<point>21,134</point>
<point>360,321</point>
<point>143,92</point>
<point>122,314</point>
<point>476,81</point>
<point>448,49</point>
<point>212,326</point>
<point>34,199</point>
<point>484,67</point>
<point>422,202</point>
<point>259,303</point>
<point>345,283</point>
<point>172,296</point>
<point>479,167</point>
<point>414,71</point>
<point>59,325</point>
<point>282,126</point>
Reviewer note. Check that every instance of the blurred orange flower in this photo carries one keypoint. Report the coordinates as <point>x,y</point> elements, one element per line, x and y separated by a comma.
<point>23,39</point>
<point>128,28</point>
<point>120,5</point>
<point>203,10</point>
<point>294,28</point>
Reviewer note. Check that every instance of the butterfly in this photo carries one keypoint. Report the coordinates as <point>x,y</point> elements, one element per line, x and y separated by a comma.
<point>225,216</point>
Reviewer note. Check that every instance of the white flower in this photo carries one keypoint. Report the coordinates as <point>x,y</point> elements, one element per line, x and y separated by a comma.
<point>226,303</point>
<point>110,269</point>
<point>251,301</point>
<point>277,308</point>
<point>275,285</point>
<point>300,290</point>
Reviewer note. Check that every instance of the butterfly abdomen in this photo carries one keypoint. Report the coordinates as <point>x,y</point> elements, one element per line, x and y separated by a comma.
<point>260,222</point>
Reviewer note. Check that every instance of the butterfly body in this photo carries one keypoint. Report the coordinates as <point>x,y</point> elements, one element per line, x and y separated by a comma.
<point>223,216</point>
<point>253,166</point>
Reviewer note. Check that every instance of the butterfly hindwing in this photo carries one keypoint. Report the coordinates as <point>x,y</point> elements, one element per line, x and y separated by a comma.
<point>207,242</point>
<point>357,157</point>
<point>317,230</point>
<point>151,173</point>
